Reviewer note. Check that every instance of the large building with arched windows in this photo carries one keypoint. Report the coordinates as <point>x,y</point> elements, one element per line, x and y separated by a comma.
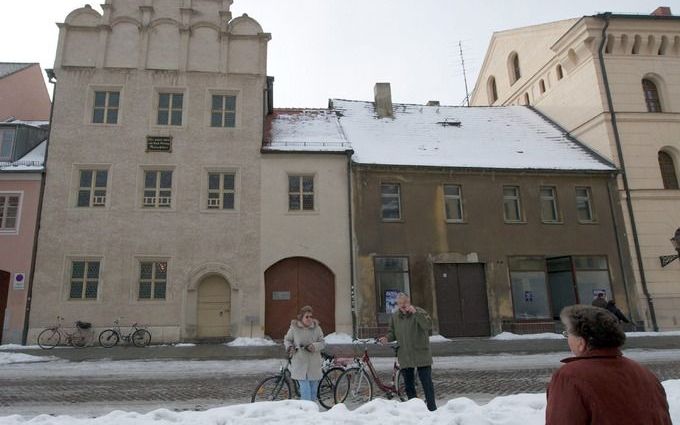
<point>613,82</point>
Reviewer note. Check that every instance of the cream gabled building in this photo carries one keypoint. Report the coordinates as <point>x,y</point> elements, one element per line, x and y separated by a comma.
<point>152,202</point>
<point>613,81</point>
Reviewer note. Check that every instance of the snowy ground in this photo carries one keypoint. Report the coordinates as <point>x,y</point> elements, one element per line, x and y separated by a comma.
<point>520,409</point>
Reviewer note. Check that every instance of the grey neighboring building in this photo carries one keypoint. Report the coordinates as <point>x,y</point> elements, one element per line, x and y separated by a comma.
<point>152,200</point>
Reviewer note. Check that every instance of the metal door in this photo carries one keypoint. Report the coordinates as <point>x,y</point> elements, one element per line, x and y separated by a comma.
<point>462,304</point>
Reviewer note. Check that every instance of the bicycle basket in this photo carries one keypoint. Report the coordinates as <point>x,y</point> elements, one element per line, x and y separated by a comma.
<point>83,325</point>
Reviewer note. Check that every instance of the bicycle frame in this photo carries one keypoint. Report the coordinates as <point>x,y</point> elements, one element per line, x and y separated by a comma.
<point>366,363</point>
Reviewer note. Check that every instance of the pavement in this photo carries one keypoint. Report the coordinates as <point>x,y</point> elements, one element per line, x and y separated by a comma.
<point>456,347</point>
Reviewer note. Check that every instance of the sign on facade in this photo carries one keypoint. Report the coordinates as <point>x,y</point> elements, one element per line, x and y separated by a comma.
<point>159,143</point>
<point>391,300</point>
<point>19,282</point>
<point>281,295</point>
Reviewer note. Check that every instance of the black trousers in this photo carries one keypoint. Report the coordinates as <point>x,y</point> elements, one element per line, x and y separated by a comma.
<point>425,375</point>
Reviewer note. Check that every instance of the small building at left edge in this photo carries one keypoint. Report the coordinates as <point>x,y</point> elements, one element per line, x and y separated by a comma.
<point>24,113</point>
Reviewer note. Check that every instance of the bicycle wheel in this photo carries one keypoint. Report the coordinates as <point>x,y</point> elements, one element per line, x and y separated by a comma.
<point>353,388</point>
<point>108,338</point>
<point>141,338</point>
<point>272,389</point>
<point>326,390</point>
<point>49,338</point>
<point>80,338</point>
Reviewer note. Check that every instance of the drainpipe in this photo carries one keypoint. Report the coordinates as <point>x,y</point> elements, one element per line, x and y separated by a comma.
<point>52,78</point>
<point>611,188</point>
<point>351,245</point>
<point>626,187</point>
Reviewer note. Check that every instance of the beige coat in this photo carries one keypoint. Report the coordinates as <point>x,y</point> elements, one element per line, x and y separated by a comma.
<point>305,365</point>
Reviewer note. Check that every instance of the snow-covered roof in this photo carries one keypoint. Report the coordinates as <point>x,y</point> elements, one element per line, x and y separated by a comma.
<point>8,68</point>
<point>513,137</point>
<point>34,160</point>
<point>304,130</point>
<point>13,121</point>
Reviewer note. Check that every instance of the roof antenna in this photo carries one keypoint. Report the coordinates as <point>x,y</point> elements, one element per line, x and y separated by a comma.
<point>462,61</point>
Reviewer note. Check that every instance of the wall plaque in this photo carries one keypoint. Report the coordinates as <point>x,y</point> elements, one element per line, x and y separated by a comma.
<point>159,143</point>
<point>281,295</point>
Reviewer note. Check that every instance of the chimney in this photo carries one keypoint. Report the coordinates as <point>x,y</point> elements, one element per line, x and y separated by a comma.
<point>432,103</point>
<point>662,11</point>
<point>383,100</point>
<point>270,95</point>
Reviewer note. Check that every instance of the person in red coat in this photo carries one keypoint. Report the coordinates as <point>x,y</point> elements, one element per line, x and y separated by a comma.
<point>599,386</point>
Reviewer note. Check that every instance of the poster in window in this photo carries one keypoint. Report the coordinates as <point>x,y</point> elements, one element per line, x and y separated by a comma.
<point>597,292</point>
<point>391,300</point>
<point>529,296</point>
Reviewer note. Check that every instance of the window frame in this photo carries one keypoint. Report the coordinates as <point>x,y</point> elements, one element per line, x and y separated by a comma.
<point>459,197</point>
<point>518,200</point>
<point>492,89</point>
<point>12,143</point>
<point>669,171</point>
<point>17,220</point>
<point>544,270</point>
<point>92,188</point>
<point>591,208</point>
<point>301,193</point>
<point>514,69</point>
<point>106,108</point>
<point>154,260</point>
<point>171,93</point>
<point>555,204</point>
<point>397,195</point>
<point>221,191</point>
<point>237,108</point>
<point>142,188</point>
<point>70,279</point>
<point>652,95</point>
<point>381,315</point>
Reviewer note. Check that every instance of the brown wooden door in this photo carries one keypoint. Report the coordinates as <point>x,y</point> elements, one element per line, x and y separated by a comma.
<point>462,304</point>
<point>293,283</point>
<point>4,293</point>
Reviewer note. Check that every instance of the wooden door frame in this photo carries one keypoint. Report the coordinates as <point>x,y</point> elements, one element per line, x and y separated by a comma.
<point>2,316</point>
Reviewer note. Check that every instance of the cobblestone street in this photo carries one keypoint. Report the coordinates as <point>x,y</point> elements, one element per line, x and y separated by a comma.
<point>54,395</point>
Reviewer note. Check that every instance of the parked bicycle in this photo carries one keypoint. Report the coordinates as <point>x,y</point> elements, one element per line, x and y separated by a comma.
<point>355,385</point>
<point>137,335</point>
<point>283,387</point>
<point>79,338</point>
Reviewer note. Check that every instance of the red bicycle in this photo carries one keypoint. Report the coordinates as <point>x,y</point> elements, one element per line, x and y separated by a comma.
<point>355,385</point>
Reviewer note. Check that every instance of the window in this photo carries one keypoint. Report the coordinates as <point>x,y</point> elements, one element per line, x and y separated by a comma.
<point>6,144</point>
<point>492,89</point>
<point>106,105</point>
<point>301,193</point>
<point>157,189</point>
<point>559,72</point>
<point>84,280</point>
<point>512,207</point>
<point>390,194</point>
<point>223,113</point>
<point>529,289</point>
<point>513,65</point>
<point>549,211</point>
<point>391,277</point>
<point>668,175</point>
<point>541,86</point>
<point>584,206</point>
<point>9,212</point>
<point>92,188</point>
<point>592,277</point>
<point>221,191</point>
<point>453,202</point>
<point>651,96</point>
<point>170,108</point>
<point>153,279</point>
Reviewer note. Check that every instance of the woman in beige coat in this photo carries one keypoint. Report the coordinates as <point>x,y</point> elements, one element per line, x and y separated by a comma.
<point>304,342</point>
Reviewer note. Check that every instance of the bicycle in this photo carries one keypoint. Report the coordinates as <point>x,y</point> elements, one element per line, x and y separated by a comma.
<point>355,385</point>
<point>139,336</point>
<point>333,367</point>
<point>52,336</point>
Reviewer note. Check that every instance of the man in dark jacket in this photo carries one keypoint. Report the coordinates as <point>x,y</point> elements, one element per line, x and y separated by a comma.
<point>410,326</point>
<point>598,385</point>
<point>613,309</point>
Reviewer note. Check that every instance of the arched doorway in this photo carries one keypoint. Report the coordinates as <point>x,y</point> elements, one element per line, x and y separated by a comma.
<point>293,283</point>
<point>4,294</point>
<point>214,308</point>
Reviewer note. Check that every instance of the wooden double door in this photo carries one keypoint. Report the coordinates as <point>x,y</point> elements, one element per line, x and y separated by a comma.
<point>462,304</point>
<point>293,283</point>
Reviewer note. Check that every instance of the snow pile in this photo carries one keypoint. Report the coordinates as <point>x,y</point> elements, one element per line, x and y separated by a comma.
<point>639,334</point>
<point>182,345</point>
<point>10,358</point>
<point>251,342</point>
<point>673,395</point>
<point>509,336</point>
<point>19,347</point>
<point>338,338</point>
<point>438,338</point>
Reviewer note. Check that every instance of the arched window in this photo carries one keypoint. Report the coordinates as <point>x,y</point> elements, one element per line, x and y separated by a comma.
<point>492,90</point>
<point>651,95</point>
<point>559,72</point>
<point>668,175</point>
<point>513,68</point>
<point>541,86</point>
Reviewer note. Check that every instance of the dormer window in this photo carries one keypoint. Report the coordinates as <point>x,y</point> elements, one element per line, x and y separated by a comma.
<point>6,144</point>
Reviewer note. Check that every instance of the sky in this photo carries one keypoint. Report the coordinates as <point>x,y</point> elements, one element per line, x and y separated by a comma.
<point>323,49</point>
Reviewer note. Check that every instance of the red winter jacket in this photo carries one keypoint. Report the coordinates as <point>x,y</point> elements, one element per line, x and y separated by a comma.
<point>604,388</point>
